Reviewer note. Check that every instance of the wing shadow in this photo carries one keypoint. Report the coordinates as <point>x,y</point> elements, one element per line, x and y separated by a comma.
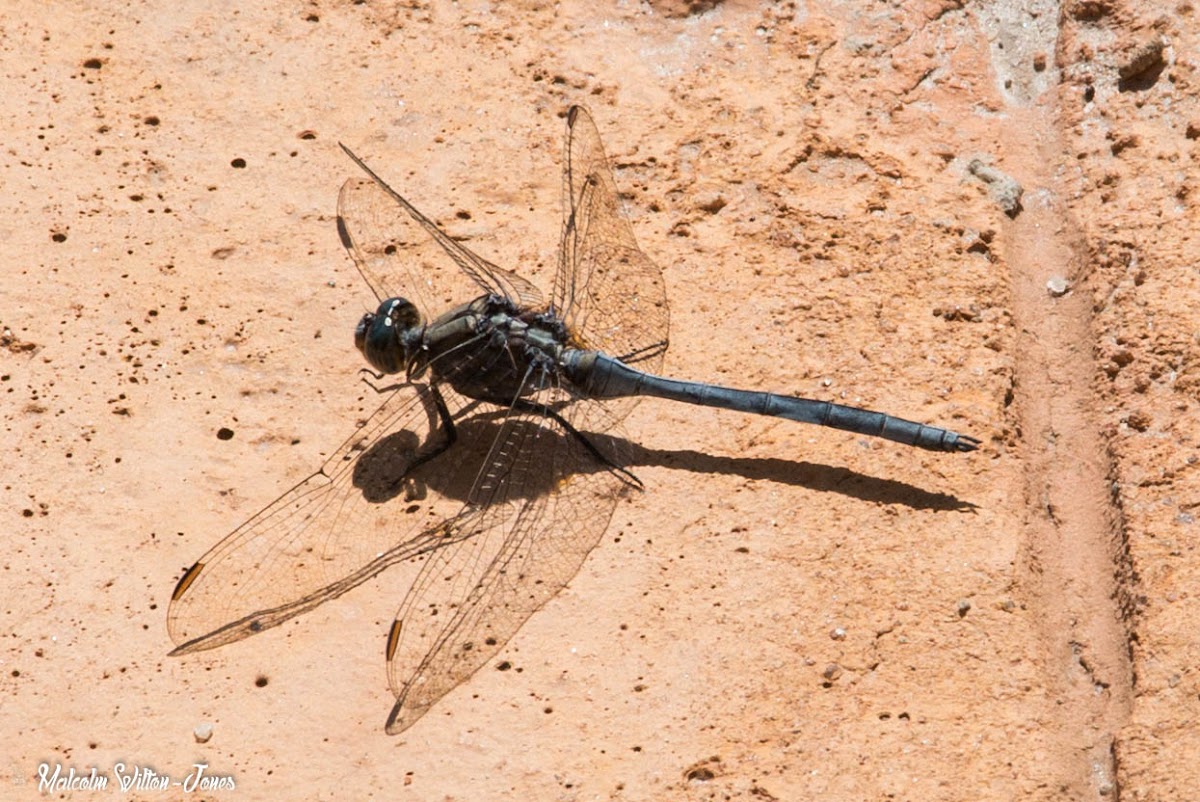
<point>400,465</point>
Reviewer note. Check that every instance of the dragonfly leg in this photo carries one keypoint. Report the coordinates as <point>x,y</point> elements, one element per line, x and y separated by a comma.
<point>387,388</point>
<point>451,437</point>
<point>546,412</point>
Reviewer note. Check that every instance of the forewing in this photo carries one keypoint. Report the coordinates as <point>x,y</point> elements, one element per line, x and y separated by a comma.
<point>327,534</point>
<point>401,252</point>
<point>610,293</point>
<point>540,505</point>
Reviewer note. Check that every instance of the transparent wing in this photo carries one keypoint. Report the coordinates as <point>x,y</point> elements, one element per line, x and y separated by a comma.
<point>330,532</point>
<point>400,252</point>
<point>499,509</point>
<point>545,496</point>
<point>538,508</point>
<point>610,294</point>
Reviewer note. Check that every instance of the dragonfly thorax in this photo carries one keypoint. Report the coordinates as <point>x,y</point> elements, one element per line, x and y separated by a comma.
<point>390,337</point>
<point>492,350</point>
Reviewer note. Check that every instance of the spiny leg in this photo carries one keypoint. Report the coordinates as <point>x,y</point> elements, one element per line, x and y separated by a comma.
<point>440,407</point>
<point>545,411</point>
<point>451,433</point>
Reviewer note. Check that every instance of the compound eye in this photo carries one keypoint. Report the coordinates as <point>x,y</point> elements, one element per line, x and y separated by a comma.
<point>360,331</point>
<point>401,312</point>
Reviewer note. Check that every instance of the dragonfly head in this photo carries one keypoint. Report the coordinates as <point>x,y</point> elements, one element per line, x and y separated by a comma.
<point>390,337</point>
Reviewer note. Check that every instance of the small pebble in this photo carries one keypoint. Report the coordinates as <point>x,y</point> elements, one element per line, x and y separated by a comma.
<point>710,201</point>
<point>1138,420</point>
<point>1004,189</point>
<point>203,732</point>
<point>1058,286</point>
<point>964,607</point>
<point>832,672</point>
<point>837,633</point>
<point>1143,58</point>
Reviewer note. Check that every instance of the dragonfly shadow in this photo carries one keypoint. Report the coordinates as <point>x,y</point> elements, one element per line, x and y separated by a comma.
<point>389,468</point>
<point>823,478</point>
<point>401,465</point>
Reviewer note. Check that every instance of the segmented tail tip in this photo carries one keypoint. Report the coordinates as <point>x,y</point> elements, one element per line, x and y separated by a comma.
<point>965,443</point>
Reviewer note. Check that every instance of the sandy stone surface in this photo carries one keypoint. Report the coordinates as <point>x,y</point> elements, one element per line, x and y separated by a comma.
<point>980,216</point>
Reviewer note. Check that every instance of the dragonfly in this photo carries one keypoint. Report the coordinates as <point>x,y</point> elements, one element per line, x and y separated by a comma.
<point>495,462</point>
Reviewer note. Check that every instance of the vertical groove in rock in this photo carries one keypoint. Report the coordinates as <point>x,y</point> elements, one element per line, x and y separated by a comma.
<point>1078,568</point>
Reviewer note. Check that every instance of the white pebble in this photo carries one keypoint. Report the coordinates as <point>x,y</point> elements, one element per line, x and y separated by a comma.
<point>1058,286</point>
<point>203,732</point>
